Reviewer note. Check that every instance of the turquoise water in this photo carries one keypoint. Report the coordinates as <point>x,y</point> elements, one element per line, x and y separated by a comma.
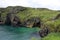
<point>18,33</point>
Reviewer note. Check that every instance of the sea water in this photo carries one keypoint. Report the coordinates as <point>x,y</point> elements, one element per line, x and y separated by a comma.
<point>18,33</point>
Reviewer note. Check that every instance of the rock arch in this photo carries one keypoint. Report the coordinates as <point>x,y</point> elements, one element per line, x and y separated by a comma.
<point>16,21</point>
<point>33,22</point>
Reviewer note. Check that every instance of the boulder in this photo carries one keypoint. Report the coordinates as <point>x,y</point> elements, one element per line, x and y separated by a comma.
<point>44,32</point>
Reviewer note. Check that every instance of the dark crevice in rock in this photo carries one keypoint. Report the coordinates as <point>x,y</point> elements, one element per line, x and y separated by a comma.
<point>8,19</point>
<point>37,24</point>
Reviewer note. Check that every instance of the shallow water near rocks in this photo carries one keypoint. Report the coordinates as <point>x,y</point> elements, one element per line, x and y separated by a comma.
<point>18,33</point>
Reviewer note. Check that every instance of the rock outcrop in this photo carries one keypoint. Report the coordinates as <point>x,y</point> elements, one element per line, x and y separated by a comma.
<point>44,32</point>
<point>33,22</point>
<point>16,21</point>
<point>11,19</point>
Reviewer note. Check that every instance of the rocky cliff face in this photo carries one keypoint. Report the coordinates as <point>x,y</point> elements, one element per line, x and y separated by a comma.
<point>11,17</point>
<point>33,22</point>
<point>9,14</point>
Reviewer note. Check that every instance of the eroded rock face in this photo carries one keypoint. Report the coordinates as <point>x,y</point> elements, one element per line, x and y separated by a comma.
<point>16,21</point>
<point>12,20</point>
<point>33,22</point>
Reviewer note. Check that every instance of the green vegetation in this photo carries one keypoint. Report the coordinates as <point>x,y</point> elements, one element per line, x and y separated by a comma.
<point>43,14</point>
<point>33,38</point>
<point>52,36</point>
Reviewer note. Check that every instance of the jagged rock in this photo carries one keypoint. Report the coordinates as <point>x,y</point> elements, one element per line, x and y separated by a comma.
<point>44,32</point>
<point>12,20</point>
<point>33,22</point>
<point>8,19</point>
<point>16,21</point>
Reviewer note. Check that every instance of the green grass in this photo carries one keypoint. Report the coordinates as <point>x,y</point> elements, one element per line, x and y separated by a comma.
<point>44,15</point>
<point>33,38</point>
<point>52,36</point>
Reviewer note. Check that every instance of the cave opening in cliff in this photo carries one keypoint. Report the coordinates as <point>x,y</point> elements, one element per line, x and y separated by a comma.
<point>37,24</point>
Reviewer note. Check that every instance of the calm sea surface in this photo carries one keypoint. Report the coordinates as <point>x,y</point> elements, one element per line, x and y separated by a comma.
<point>18,33</point>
